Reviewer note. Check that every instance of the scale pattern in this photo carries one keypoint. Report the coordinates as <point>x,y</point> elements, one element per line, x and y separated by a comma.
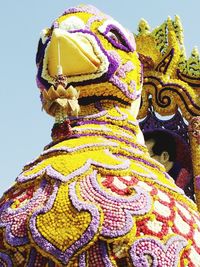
<point>96,198</point>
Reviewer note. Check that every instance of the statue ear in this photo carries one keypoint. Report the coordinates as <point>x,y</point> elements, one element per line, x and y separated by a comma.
<point>164,157</point>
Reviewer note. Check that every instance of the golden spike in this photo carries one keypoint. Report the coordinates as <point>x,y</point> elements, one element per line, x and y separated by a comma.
<point>45,95</point>
<point>63,102</point>
<point>72,93</point>
<point>143,27</point>
<point>170,24</point>
<point>193,63</point>
<point>61,91</point>
<point>183,61</point>
<point>178,28</point>
<point>52,93</point>
<point>195,53</point>
<point>160,36</point>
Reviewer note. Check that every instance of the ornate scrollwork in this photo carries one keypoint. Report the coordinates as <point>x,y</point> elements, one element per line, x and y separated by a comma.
<point>171,88</point>
<point>168,96</point>
<point>173,81</point>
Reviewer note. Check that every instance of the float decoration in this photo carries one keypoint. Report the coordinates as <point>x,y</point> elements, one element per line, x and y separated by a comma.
<point>95,197</point>
<point>171,88</point>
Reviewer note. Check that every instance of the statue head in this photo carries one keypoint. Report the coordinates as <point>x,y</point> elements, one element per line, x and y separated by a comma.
<point>92,52</point>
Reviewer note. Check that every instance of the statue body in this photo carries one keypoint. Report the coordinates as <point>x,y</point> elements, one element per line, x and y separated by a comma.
<point>95,197</point>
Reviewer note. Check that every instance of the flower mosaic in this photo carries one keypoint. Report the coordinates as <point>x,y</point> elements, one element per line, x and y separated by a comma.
<point>94,196</point>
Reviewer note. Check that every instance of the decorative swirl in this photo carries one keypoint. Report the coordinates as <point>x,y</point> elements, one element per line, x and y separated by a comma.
<point>163,100</point>
<point>164,64</point>
<point>167,97</point>
<point>15,213</point>
<point>117,222</point>
<point>161,255</point>
<point>192,81</point>
<point>5,260</point>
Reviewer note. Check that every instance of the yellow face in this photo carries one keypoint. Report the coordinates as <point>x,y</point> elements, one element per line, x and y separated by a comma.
<point>92,52</point>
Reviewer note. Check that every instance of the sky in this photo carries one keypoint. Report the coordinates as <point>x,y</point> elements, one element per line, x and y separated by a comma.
<point>25,129</point>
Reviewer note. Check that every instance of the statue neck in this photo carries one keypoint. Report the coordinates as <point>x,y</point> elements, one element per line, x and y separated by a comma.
<point>104,119</point>
<point>111,131</point>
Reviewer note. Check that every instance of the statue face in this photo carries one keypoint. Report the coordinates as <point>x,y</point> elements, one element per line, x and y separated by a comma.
<point>94,53</point>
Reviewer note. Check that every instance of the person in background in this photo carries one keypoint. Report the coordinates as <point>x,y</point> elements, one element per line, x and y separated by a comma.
<point>162,147</point>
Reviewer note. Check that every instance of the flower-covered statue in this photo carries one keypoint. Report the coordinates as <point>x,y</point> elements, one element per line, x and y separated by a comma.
<point>95,197</point>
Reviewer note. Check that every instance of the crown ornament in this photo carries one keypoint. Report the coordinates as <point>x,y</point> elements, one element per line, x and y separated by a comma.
<point>170,79</point>
<point>171,89</point>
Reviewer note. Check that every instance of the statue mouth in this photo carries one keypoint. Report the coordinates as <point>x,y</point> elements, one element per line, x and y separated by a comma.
<point>65,49</point>
<point>84,101</point>
<point>75,55</point>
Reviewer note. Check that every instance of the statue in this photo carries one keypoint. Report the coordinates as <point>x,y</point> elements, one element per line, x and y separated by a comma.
<point>95,197</point>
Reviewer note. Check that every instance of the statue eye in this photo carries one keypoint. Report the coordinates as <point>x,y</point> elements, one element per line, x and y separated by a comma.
<point>116,37</point>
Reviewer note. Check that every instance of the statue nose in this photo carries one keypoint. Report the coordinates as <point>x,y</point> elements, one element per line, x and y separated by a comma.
<point>73,52</point>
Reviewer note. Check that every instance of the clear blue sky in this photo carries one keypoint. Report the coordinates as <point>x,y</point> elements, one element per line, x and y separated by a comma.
<point>25,129</point>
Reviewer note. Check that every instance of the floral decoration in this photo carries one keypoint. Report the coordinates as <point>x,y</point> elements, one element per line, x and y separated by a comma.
<point>94,196</point>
